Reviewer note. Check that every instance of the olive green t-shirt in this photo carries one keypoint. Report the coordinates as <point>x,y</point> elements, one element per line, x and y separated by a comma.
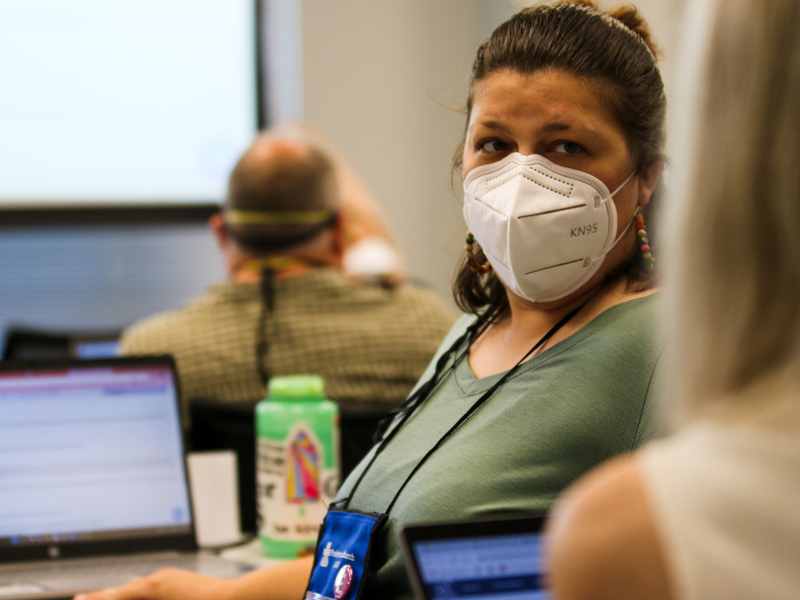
<point>579,402</point>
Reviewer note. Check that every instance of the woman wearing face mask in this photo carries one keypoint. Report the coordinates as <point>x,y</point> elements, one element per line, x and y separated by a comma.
<point>552,372</point>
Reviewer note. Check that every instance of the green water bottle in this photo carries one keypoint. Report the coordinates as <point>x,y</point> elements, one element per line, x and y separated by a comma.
<point>297,456</point>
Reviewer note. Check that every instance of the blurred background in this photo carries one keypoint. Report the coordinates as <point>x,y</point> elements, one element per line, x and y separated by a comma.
<point>384,81</point>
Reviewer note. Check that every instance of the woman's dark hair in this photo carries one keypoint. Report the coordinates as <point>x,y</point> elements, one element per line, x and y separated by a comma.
<point>613,50</point>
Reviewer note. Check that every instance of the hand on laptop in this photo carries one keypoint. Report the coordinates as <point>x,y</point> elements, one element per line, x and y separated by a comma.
<point>285,581</point>
<point>172,584</point>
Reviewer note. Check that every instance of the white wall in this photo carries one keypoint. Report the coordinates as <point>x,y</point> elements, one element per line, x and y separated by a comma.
<point>384,81</point>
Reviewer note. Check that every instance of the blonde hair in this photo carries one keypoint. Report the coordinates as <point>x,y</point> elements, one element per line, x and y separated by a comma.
<point>733,274</point>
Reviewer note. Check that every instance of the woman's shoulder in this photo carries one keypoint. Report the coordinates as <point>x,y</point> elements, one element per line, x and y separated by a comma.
<point>631,307</point>
<point>630,326</point>
<point>623,327</point>
<point>456,331</point>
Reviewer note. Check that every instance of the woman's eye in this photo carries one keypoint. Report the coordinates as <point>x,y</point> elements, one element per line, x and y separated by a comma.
<point>567,148</point>
<point>493,146</point>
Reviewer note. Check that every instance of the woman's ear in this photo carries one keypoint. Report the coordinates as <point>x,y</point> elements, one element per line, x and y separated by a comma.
<point>648,180</point>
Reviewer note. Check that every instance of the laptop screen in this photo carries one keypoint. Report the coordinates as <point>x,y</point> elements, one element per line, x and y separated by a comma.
<point>94,347</point>
<point>478,560</point>
<point>90,451</point>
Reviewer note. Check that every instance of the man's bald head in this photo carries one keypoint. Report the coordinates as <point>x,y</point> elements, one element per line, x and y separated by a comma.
<point>282,191</point>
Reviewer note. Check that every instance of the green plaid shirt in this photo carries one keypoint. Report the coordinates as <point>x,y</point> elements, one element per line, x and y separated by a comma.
<point>369,344</point>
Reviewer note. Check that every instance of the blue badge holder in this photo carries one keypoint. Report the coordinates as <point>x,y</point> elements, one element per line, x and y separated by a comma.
<point>341,562</point>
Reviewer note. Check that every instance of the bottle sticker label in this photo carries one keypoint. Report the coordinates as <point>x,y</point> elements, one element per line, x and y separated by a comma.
<point>303,470</point>
<point>294,487</point>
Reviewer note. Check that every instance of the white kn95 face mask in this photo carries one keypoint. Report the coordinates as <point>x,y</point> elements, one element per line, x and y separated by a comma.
<point>544,228</point>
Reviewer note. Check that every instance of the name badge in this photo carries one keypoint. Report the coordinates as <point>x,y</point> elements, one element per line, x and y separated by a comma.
<point>341,561</point>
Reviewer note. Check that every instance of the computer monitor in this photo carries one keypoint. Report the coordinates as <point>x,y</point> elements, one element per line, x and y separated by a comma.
<point>125,104</point>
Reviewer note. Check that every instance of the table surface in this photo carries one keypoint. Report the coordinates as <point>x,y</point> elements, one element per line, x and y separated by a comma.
<point>251,554</point>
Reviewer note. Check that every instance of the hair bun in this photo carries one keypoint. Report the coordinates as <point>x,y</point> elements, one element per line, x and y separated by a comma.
<point>627,15</point>
<point>632,19</point>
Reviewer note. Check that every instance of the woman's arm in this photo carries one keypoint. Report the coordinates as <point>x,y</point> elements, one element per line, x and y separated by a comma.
<point>286,581</point>
<point>602,541</point>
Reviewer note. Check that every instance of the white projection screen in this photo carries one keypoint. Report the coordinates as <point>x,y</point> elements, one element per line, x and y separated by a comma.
<point>124,103</point>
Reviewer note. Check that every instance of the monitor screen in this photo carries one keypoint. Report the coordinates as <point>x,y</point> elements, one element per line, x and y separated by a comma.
<point>502,567</point>
<point>94,347</point>
<point>497,557</point>
<point>131,103</point>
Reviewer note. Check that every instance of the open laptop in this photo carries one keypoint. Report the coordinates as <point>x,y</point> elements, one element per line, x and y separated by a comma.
<point>92,468</point>
<point>497,558</point>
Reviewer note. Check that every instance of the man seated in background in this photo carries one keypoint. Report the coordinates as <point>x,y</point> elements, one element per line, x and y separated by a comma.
<point>292,211</point>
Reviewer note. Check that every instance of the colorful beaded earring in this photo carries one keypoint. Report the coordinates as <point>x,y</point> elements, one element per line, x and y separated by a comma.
<point>647,254</point>
<point>472,259</point>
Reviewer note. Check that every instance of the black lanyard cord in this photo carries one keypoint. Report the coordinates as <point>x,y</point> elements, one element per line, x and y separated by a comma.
<point>424,391</point>
<point>472,409</point>
<point>473,332</point>
<point>405,411</point>
<point>267,306</point>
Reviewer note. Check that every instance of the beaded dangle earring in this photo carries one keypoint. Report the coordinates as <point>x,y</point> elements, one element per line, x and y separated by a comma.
<point>472,258</point>
<point>647,254</point>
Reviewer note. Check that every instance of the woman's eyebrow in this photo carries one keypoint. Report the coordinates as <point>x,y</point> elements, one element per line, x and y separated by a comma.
<point>493,124</point>
<point>558,126</point>
<point>554,127</point>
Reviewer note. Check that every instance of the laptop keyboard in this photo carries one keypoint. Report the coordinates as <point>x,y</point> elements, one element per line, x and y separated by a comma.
<point>95,570</point>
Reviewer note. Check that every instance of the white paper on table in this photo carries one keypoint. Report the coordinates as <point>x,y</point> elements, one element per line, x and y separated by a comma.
<point>215,497</point>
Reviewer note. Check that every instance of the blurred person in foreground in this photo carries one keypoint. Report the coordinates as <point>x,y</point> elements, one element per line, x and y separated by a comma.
<point>711,512</point>
<point>301,295</point>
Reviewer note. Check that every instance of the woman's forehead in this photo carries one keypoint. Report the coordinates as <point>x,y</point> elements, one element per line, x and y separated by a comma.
<point>552,99</point>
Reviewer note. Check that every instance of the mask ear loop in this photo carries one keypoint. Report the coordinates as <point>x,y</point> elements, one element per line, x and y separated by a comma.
<point>628,226</point>
<point>622,185</point>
